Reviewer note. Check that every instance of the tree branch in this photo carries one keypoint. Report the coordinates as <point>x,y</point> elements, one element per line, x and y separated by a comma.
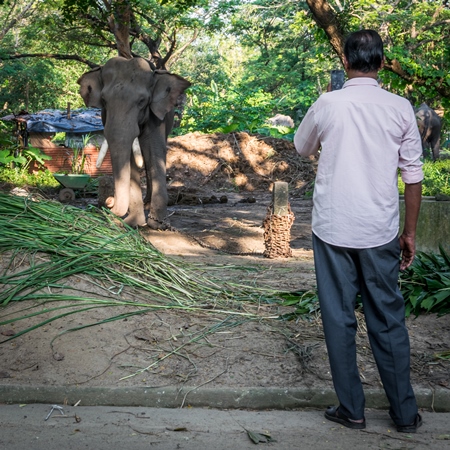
<point>326,19</point>
<point>176,54</point>
<point>16,19</point>
<point>58,56</point>
<point>439,84</point>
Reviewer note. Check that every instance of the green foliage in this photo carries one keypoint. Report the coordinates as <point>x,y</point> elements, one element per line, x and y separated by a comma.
<point>42,179</point>
<point>425,287</point>
<point>278,132</point>
<point>416,35</point>
<point>33,85</point>
<point>426,284</point>
<point>305,303</point>
<point>210,111</point>
<point>76,156</point>
<point>285,57</point>
<point>265,62</point>
<point>14,156</point>
<point>436,178</point>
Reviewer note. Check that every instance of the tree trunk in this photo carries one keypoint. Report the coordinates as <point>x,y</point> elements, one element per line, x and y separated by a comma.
<point>119,24</point>
<point>326,19</point>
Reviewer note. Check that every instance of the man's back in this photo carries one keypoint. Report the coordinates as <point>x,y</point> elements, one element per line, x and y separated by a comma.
<point>365,133</point>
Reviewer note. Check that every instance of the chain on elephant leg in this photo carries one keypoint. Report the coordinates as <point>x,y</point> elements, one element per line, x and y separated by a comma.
<point>158,224</point>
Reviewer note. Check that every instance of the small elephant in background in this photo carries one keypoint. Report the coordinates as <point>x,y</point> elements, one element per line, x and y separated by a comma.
<point>430,125</point>
<point>280,120</point>
<point>136,103</point>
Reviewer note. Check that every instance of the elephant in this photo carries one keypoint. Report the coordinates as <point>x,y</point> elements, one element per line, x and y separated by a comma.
<point>136,102</point>
<point>280,120</point>
<point>429,124</point>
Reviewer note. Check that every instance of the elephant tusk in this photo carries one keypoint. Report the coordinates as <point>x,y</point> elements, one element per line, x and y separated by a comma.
<point>137,153</point>
<point>101,154</point>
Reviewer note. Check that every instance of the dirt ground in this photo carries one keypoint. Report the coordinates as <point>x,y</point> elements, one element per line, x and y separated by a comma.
<point>220,192</point>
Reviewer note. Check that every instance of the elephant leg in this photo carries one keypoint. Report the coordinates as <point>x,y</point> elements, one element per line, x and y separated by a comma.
<point>435,148</point>
<point>154,142</point>
<point>136,216</point>
<point>148,194</point>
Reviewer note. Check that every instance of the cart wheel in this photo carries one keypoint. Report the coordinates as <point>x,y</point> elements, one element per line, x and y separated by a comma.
<point>66,195</point>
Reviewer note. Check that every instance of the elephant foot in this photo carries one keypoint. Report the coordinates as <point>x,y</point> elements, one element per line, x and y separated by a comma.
<point>156,224</point>
<point>135,221</point>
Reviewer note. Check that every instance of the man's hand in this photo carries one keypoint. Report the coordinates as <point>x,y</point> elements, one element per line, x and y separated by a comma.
<point>408,247</point>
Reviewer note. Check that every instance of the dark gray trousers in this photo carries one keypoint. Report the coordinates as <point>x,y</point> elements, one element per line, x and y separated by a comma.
<point>341,274</point>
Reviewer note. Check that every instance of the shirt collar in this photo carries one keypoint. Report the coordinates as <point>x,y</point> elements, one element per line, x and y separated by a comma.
<point>361,81</point>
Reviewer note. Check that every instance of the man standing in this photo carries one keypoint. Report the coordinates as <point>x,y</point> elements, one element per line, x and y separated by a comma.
<point>365,134</point>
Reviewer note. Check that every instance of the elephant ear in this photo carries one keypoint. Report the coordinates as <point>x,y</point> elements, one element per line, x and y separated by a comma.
<point>166,89</point>
<point>91,87</point>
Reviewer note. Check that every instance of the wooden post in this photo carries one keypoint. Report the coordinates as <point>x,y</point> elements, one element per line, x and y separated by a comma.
<point>280,198</point>
<point>68,110</point>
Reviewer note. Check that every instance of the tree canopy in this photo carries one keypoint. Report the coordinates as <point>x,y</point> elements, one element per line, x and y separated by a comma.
<point>246,59</point>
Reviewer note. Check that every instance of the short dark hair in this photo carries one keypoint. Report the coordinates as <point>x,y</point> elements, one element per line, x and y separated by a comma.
<point>364,51</point>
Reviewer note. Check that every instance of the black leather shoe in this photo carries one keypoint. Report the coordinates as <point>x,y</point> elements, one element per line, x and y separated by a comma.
<point>332,413</point>
<point>411,428</point>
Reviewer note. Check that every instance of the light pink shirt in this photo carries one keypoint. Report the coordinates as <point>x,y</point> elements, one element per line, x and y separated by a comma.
<point>365,134</point>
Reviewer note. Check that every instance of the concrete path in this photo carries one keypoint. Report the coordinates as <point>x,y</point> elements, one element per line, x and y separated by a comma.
<point>134,428</point>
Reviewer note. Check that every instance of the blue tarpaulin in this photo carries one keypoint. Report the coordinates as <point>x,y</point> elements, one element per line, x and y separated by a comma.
<point>54,121</point>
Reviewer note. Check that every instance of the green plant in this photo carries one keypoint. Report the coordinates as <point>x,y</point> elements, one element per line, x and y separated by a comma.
<point>42,179</point>
<point>426,284</point>
<point>76,154</point>
<point>13,156</point>
<point>305,303</point>
<point>59,138</point>
<point>85,138</point>
<point>280,132</point>
<point>436,178</point>
<point>210,111</point>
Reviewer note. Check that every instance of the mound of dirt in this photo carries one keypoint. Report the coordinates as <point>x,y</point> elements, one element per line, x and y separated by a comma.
<point>235,162</point>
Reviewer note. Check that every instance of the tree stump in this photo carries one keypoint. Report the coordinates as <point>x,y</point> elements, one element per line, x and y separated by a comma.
<point>105,190</point>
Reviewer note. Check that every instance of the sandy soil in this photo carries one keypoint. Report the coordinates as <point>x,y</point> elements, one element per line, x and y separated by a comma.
<point>170,348</point>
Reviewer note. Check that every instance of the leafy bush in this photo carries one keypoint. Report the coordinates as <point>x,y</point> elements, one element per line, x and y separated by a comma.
<point>43,179</point>
<point>13,156</point>
<point>211,111</point>
<point>425,287</point>
<point>426,284</point>
<point>16,160</point>
<point>436,178</point>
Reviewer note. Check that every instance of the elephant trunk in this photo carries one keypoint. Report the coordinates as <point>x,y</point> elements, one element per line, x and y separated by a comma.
<point>120,147</point>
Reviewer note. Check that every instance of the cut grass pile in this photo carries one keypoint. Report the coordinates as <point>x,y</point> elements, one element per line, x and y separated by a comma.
<point>122,267</point>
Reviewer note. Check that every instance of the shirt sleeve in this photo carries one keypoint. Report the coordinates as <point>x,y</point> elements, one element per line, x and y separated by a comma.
<point>306,139</point>
<point>410,162</point>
